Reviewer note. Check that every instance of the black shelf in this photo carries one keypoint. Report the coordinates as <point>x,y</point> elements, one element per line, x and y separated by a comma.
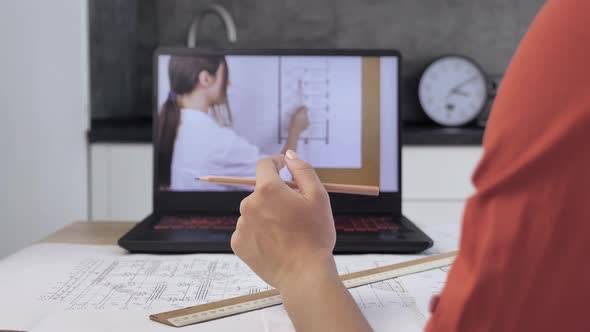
<point>431,134</point>
<point>140,131</point>
<point>121,131</point>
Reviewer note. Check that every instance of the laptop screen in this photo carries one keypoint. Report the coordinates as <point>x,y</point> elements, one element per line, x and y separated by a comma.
<point>218,115</point>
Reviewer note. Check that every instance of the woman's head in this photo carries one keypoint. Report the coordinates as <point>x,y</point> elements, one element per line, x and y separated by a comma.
<point>203,77</point>
<point>198,83</point>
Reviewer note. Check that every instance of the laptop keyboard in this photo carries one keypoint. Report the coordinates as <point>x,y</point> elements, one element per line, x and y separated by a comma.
<point>364,224</point>
<point>343,223</point>
<point>217,223</point>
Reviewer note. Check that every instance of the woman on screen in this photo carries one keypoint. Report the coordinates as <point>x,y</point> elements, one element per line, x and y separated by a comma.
<point>194,134</point>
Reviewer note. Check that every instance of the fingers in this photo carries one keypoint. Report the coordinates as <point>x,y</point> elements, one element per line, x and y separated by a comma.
<point>237,241</point>
<point>305,176</point>
<point>244,206</point>
<point>239,223</point>
<point>267,171</point>
<point>302,109</point>
<point>305,116</point>
<point>304,113</point>
<point>300,114</point>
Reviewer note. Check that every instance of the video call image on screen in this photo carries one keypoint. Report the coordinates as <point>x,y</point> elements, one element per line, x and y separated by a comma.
<point>218,115</point>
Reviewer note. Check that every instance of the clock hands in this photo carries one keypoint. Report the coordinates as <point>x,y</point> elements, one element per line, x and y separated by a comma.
<point>460,85</point>
<point>456,90</point>
<point>459,92</point>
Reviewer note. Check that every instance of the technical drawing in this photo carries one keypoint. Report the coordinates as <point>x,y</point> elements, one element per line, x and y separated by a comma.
<point>305,82</point>
<point>155,283</point>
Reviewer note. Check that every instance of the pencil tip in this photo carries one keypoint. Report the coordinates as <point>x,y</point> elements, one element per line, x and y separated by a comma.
<point>199,178</point>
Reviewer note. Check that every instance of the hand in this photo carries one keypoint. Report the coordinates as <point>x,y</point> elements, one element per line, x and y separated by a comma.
<point>287,238</point>
<point>284,235</point>
<point>299,120</point>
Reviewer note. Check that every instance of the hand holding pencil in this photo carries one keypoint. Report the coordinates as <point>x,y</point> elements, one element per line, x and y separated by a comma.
<point>280,228</point>
<point>287,237</point>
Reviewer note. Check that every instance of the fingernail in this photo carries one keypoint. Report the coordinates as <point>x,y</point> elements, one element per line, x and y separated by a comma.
<point>291,154</point>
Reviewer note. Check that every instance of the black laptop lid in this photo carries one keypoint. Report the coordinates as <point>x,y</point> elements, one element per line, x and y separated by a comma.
<point>218,111</point>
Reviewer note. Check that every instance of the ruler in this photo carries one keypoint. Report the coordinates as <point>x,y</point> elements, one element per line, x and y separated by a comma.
<point>238,305</point>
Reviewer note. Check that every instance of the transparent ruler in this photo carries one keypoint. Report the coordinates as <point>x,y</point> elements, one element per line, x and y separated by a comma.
<point>237,305</point>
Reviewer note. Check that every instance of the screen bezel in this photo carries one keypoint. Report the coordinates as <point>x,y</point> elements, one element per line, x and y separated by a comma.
<point>229,202</point>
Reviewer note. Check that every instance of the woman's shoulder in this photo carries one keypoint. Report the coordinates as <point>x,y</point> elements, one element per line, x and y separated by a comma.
<point>198,124</point>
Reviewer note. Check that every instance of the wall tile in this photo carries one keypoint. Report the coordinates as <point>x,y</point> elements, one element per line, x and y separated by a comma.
<point>124,33</point>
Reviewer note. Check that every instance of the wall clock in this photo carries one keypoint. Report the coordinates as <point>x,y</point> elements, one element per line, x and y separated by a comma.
<point>453,90</point>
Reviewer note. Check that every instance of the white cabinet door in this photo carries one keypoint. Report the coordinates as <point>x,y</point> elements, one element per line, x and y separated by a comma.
<point>122,177</point>
<point>432,212</point>
<point>438,173</point>
<point>436,181</point>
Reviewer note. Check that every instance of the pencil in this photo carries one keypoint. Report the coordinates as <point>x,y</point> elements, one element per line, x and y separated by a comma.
<point>330,187</point>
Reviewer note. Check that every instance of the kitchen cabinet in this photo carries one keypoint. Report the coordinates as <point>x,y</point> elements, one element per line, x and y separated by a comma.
<point>439,173</point>
<point>121,181</point>
<point>436,181</point>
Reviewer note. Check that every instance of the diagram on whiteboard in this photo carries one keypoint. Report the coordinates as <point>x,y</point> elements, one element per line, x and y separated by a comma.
<point>266,91</point>
<point>305,82</point>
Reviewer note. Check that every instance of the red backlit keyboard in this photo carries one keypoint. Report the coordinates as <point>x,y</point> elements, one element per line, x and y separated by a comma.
<point>219,223</point>
<point>343,223</point>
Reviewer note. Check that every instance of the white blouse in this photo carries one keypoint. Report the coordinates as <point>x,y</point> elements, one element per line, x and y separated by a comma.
<point>203,147</point>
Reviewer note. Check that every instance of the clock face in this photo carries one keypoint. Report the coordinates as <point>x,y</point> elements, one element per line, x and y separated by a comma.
<point>452,91</point>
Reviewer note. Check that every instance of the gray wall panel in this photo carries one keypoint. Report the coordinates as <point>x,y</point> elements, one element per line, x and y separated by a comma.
<point>123,34</point>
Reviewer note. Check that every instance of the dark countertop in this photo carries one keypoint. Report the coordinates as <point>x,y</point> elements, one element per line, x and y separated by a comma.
<point>437,135</point>
<point>140,131</point>
<point>120,131</point>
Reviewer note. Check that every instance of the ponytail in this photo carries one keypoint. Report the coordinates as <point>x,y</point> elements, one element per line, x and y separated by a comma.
<point>169,120</point>
<point>183,72</point>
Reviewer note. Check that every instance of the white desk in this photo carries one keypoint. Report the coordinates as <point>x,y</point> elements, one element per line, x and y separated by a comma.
<point>44,261</point>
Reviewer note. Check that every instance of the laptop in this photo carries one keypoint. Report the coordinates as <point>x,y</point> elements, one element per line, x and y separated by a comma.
<point>217,111</point>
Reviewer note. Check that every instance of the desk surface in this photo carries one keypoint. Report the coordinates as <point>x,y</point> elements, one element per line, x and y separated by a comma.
<point>107,233</point>
<point>90,232</point>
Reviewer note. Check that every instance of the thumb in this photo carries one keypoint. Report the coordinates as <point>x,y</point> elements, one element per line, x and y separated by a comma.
<point>304,175</point>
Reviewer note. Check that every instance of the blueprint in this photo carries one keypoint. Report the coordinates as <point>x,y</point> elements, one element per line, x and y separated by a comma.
<point>145,282</point>
<point>103,281</point>
<point>153,282</point>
